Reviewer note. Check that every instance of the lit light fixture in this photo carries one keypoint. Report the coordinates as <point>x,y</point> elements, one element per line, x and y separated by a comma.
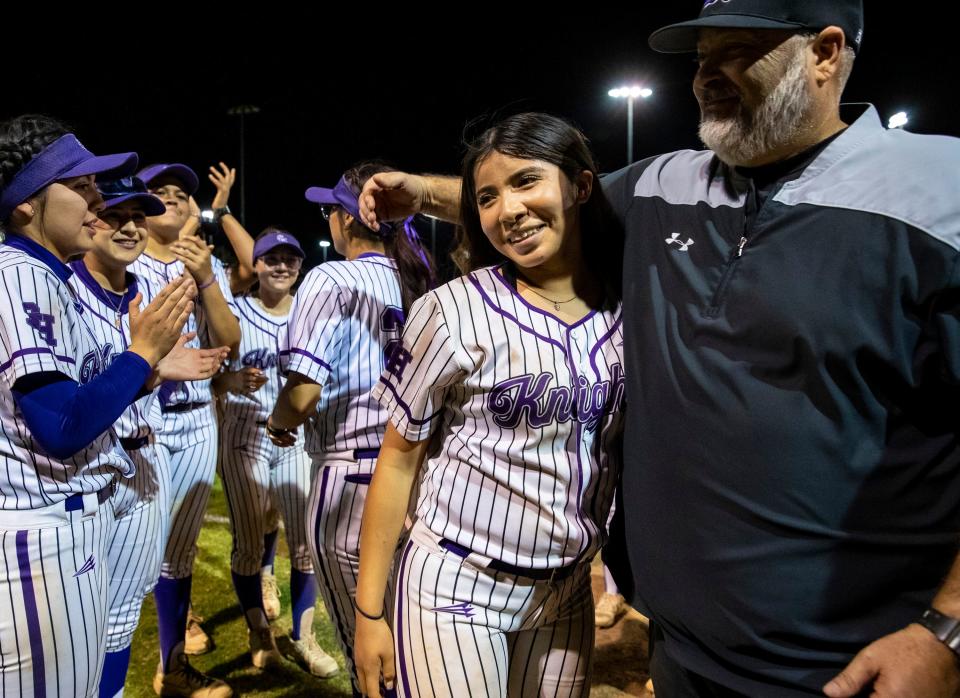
<point>898,120</point>
<point>206,215</point>
<point>324,243</point>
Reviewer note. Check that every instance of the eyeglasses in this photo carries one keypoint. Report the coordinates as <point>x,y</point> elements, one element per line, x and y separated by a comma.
<point>290,262</point>
<point>326,210</point>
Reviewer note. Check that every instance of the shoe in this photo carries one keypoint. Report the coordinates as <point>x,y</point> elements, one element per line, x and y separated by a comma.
<point>196,641</point>
<point>609,609</point>
<point>263,649</point>
<point>308,653</point>
<point>185,681</point>
<point>271,595</point>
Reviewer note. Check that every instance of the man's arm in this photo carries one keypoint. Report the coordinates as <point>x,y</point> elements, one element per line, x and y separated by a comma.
<point>909,662</point>
<point>391,196</point>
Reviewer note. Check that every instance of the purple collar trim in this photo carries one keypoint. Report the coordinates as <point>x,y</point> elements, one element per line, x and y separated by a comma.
<point>109,298</point>
<point>40,253</point>
<point>370,254</point>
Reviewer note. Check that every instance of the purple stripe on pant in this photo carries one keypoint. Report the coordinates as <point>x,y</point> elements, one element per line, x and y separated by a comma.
<point>399,620</point>
<point>33,617</point>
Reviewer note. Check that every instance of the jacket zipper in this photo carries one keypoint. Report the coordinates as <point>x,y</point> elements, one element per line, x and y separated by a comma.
<point>735,254</point>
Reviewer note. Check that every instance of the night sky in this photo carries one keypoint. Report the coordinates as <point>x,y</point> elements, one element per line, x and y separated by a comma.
<point>331,94</point>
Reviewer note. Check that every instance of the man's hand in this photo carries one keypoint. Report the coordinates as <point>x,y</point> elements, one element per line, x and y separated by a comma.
<point>390,196</point>
<point>910,662</point>
<point>223,180</point>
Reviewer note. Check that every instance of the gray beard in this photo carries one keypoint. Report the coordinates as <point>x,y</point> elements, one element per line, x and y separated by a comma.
<point>780,117</point>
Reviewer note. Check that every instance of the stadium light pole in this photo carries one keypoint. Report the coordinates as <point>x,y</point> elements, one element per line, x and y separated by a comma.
<point>243,111</point>
<point>630,93</point>
<point>325,245</point>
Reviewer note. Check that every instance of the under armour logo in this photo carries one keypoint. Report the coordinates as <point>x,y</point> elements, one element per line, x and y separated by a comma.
<point>675,238</point>
<point>41,322</point>
<point>87,566</point>
<point>396,358</point>
<point>461,609</point>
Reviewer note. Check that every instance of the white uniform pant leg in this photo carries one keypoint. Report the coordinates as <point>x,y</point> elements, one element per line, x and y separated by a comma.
<point>53,600</point>
<point>245,454</point>
<point>461,631</point>
<point>290,491</point>
<point>135,548</point>
<point>336,508</point>
<point>191,440</point>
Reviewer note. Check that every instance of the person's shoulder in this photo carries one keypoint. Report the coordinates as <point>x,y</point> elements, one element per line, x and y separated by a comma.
<point>909,178</point>
<point>17,263</point>
<point>681,176</point>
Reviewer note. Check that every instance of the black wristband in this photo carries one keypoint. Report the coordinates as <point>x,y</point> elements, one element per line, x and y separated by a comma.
<point>365,614</point>
<point>946,628</point>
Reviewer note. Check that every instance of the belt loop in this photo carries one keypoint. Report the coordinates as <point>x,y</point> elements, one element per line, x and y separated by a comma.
<point>91,502</point>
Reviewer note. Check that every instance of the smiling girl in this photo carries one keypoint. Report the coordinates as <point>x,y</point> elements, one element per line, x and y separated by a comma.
<point>506,406</point>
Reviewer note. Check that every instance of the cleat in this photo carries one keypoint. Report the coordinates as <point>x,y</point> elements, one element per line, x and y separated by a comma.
<point>271,595</point>
<point>195,640</point>
<point>308,654</point>
<point>263,649</point>
<point>185,681</point>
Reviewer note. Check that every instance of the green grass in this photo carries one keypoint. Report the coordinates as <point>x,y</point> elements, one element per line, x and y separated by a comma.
<point>215,600</point>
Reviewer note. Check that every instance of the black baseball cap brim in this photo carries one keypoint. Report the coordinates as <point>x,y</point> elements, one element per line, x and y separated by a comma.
<point>682,37</point>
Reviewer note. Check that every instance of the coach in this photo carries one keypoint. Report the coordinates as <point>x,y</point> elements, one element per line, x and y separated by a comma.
<point>792,329</point>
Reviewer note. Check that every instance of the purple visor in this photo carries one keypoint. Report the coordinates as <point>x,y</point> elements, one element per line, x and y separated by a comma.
<point>65,157</point>
<point>178,171</point>
<point>276,239</point>
<point>118,191</point>
<point>343,195</point>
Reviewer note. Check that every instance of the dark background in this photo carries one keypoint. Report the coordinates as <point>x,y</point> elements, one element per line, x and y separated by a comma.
<point>335,90</point>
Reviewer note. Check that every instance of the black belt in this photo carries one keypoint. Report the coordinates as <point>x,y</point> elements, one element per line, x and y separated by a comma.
<point>134,444</point>
<point>75,501</point>
<point>554,574</point>
<point>183,407</point>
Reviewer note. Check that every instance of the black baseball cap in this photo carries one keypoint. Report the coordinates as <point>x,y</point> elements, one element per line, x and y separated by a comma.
<point>763,14</point>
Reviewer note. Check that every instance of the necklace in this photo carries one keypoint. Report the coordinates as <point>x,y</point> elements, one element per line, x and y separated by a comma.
<point>556,303</point>
<point>118,315</point>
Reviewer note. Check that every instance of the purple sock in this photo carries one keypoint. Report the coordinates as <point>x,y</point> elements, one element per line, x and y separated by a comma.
<point>114,675</point>
<point>269,549</point>
<point>248,592</point>
<point>303,591</point>
<point>172,597</point>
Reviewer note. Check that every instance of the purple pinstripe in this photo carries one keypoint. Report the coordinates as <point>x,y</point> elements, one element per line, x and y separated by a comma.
<point>33,616</point>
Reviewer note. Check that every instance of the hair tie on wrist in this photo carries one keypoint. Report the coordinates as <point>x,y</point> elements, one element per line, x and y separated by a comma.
<point>208,283</point>
<point>365,614</point>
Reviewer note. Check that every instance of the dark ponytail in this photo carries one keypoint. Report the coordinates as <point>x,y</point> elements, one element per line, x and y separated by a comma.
<point>21,139</point>
<point>414,263</point>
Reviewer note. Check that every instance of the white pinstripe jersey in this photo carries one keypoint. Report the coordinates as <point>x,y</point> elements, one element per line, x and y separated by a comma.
<point>43,328</point>
<point>259,336</point>
<point>160,274</point>
<point>104,308</point>
<point>343,319</point>
<point>527,414</point>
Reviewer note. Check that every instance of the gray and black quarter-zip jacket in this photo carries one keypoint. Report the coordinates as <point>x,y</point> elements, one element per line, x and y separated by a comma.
<point>792,473</point>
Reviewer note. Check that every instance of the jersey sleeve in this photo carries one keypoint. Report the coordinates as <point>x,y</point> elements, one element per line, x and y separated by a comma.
<point>419,370</point>
<point>314,331</point>
<point>34,328</point>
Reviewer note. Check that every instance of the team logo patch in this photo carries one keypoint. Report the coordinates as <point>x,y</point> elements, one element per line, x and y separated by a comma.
<point>259,358</point>
<point>675,239</point>
<point>87,566</point>
<point>461,609</point>
<point>41,322</point>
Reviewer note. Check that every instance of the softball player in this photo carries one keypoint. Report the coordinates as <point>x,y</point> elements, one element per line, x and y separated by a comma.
<point>58,399</point>
<point>513,375</point>
<point>344,324</point>
<point>189,432</point>
<point>141,504</point>
<point>260,477</point>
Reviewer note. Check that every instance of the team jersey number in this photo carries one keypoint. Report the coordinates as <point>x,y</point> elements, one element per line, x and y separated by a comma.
<point>395,357</point>
<point>40,322</point>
